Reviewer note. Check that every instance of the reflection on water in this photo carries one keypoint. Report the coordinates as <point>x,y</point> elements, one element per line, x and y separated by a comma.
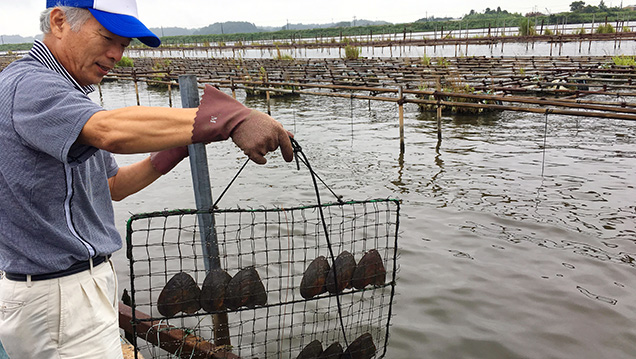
<point>516,241</point>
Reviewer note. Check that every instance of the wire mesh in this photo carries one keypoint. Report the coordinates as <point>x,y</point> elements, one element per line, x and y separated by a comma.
<point>279,244</point>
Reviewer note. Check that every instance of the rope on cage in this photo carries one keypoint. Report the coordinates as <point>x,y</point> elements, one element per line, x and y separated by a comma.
<point>298,151</point>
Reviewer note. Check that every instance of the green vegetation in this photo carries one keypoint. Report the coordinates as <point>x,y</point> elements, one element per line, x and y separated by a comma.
<point>452,84</point>
<point>605,29</point>
<point>526,27</point>
<point>624,60</point>
<point>160,65</point>
<point>580,31</point>
<point>281,56</point>
<point>426,61</point>
<point>16,47</point>
<point>352,52</point>
<point>442,62</point>
<point>125,62</point>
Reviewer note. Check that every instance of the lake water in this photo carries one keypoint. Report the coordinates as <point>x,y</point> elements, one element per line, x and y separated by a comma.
<point>517,236</point>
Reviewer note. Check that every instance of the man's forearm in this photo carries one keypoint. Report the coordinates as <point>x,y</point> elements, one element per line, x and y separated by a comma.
<point>132,178</point>
<point>139,129</point>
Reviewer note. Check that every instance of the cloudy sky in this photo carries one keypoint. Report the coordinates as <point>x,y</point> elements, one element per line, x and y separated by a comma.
<point>21,17</point>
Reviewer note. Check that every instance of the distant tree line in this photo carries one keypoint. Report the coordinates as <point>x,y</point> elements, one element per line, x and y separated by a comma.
<point>579,6</point>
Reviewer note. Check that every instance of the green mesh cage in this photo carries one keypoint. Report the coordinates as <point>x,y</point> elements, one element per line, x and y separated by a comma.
<point>279,244</point>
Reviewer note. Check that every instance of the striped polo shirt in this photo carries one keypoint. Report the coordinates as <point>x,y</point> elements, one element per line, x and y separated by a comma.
<point>56,207</point>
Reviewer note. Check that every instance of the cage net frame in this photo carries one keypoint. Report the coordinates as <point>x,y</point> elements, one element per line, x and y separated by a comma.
<point>279,243</point>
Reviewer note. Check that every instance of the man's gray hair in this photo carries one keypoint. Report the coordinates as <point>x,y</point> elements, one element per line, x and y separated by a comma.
<point>76,17</point>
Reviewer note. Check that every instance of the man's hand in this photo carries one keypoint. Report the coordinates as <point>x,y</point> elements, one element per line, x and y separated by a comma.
<point>219,116</point>
<point>164,161</point>
<point>259,134</point>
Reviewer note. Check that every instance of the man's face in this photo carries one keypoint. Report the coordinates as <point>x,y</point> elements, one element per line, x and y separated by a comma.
<point>90,53</point>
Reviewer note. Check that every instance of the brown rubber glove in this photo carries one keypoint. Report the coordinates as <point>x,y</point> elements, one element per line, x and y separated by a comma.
<point>219,116</point>
<point>164,161</point>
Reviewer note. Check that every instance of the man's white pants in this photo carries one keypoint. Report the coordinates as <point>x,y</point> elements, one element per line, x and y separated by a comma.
<point>70,317</point>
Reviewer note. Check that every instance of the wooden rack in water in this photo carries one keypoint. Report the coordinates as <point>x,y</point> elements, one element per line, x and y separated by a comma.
<point>584,86</point>
<point>456,37</point>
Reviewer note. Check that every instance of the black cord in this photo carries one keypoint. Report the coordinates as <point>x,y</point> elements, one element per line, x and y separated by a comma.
<point>298,151</point>
<point>229,184</point>
<point>300,157</point>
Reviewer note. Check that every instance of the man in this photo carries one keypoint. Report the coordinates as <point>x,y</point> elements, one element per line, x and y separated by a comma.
<point>58,298</point>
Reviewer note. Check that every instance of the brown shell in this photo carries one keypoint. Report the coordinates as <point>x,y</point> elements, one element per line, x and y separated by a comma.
<point>213,290</point>
<point>370,270</point>
<point>181,294</point>
<point>245,289</point>
<point>334,351</point>
<point>344,266</point>
<point>315,278</point>
<point>361,348</point>
<point>311,351</point>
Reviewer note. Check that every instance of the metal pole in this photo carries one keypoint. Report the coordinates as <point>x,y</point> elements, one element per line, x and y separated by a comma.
<point>203,196</point>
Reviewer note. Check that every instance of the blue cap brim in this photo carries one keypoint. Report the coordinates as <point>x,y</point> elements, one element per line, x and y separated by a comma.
<point>126,26</point>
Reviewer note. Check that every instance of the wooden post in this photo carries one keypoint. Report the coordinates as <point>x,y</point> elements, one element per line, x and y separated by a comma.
<point>466,52</point>
<point>616,34</point>
<point>170,93</point>
<point>439,111</point>
<point>134,74</point>
<point>401,117</point>
<point>101,96</point>
<point>435,39</point>
<point>267,96</point>
<point>589,46</point>
<point>503,36</point>
<point>203,196</point>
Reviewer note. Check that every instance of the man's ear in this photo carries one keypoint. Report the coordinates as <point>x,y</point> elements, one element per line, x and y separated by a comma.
<point>58,22</point>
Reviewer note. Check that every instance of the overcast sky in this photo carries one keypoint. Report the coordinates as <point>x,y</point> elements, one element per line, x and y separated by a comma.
<point>21,17</point>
